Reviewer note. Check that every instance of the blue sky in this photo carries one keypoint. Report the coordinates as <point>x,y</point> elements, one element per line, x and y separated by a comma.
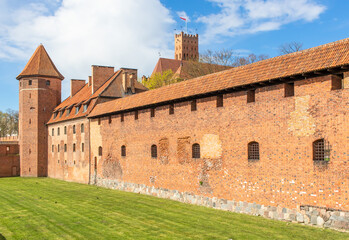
<point>133,33</point>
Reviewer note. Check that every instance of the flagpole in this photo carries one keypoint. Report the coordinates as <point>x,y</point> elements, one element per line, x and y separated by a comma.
<point>186,25</point>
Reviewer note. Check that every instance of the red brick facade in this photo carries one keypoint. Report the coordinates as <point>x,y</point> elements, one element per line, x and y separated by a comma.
<point>9,159</point>
<point>285,128</point>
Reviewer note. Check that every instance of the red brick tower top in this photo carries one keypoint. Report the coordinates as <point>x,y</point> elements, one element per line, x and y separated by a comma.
<point>39,93</point>
<point>40,65</point>
<point>186,46</point>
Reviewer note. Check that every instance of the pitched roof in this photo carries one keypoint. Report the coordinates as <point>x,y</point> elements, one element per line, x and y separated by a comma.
<point>40,65</point>
<point>165,64</point>
<point>84,95</point>
<point>323,57</point>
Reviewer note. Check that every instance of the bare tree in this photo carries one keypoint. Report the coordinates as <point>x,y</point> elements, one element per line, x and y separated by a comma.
<point>290,47</point>
<point>8,123</point>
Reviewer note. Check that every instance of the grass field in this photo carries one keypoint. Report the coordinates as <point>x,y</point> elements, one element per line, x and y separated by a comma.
<point>43,208</point>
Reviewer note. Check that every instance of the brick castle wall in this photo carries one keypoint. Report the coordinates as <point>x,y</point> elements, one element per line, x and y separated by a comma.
<point>9,159</point>
<point>284,127</point>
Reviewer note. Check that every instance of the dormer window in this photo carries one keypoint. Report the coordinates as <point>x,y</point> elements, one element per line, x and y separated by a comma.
<point>54,115</point>
<point>61,113</point>
<point>77,108</point>
<point>68,111</point>
<point>85,107</point>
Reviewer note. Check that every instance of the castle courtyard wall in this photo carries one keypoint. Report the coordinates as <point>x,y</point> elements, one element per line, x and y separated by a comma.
<point>9,159</point>
<point>285,128</point>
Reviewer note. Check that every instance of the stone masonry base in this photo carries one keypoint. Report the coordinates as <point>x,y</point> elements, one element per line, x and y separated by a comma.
<point>309,215</point>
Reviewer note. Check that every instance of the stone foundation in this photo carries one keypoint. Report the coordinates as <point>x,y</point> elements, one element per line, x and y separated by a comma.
<point>309,215</point>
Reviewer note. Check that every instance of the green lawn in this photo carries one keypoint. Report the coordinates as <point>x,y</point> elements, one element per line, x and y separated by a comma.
<point>43,208</point>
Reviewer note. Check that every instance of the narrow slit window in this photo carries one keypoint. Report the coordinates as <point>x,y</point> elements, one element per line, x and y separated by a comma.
<point>253,151</point>
<point>196,150</point>
<point>171,109</point>
<point>65,147</point>
<point>53,148</point>
<point>82,147</point>
<point>251,96</point>
<point>154,151</point>
<point>109,119</point>
<point>337,82</point>
<point>74,129</point>
<point>152,112</point>
<point>58,131</point>
<point>100,151</point>
<point>82,128</point>
<point>53,131</point>
<point>99,121</point>
<point>136,115</point>
<point>220,101</point>
<point>65,130</point>
<point>74,147</point>
<point>289,89</point>
<point>58,148</point>
<point>193,105</point>
<point>122,117</point>
<point>123,151</point>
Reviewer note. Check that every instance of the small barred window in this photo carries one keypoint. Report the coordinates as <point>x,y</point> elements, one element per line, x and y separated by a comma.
<point>319,150</point>
<point>196,150</point>
<point>253,151</point>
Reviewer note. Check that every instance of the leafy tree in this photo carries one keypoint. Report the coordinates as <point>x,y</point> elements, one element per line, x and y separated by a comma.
<point>290,47</point>
<point>8,123</point>
<point>161,79</point>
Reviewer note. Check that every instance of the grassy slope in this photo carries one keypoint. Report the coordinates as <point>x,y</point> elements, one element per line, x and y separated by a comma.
<point>45,208</point>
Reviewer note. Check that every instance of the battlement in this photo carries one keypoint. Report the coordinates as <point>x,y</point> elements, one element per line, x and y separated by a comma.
<point>185,35</point>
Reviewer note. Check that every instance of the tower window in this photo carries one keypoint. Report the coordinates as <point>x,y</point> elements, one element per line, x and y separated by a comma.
<point>82,147</point>
<point>53,148</point>
<point>53,131</point>
<point>319,150</point>
<point>289,89</point>
<point>65,147</point>
<point>74,147</point>
<point>74,130</point>
<point>171,109</point>
<point>82,128</point>
<point>100,151</point>
<point>251,96</point>
<point>58,148</point>
<point>253,151</point>
<point>219,102</point>
<point>30,82</point>
<point>154,151</point>
<point>123,151</point>
<point>58,131</point>
<point>65,130</point>
<point>193,105</point>
<point>48,83</point>
<point>196,150</point>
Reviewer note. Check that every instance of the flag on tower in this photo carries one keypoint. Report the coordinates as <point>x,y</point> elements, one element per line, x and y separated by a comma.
<point>183,18</point>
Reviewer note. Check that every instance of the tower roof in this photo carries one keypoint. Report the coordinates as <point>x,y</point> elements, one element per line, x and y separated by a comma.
<point>40,65</point>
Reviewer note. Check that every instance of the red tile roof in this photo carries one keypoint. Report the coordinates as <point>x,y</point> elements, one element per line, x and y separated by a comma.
<point>84,95</point>
<point>314,59</point>
<point>165,64</point>
<point>40,65</point>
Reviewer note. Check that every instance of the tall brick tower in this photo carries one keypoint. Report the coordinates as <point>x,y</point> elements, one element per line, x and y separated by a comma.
<point>39,94</point>
<point>186,46</point>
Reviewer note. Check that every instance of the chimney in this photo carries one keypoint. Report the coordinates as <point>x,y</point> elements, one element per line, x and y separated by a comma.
<point>89,80</point>
<point>125,81</point>
<point>76,86</point>
<point>129,77</point>
<point>100,74</point>
<point>132,82</point>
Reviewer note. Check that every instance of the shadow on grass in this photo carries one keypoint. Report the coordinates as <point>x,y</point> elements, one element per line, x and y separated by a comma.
<point>2,237</point>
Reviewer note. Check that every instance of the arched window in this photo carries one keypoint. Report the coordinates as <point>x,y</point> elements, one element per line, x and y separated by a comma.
<point>100,151</point>
<point>319,150</point>
<point>74,130</point>
<point>123,151</point>
<point>82,128</point>
<point>74,147</point>
<point>82,147</point>
<point>253,151</point>
<point>65,130</point>
<point>154,151</point>
<point>58,131</point>
<point>53,131</point>
<point>58,148</point>
<point>196,150</point>
<point>65,147</point>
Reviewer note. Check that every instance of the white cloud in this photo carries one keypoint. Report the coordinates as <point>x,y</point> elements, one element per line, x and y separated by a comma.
<point>80,33</point>
<point>250,16</point>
